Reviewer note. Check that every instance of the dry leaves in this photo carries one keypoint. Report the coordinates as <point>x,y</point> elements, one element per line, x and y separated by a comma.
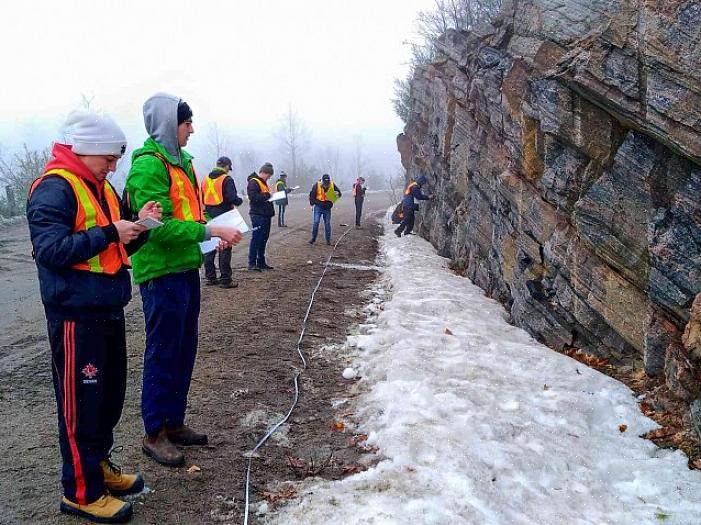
<point>660,433</point>
<point>448,332</point>
<point>272,497</point>
<point>622,428</point>
<point>339,426</point>
<point>193,469</point>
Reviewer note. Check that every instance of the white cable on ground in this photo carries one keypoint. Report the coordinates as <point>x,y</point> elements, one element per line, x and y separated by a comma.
<point>295,379</point>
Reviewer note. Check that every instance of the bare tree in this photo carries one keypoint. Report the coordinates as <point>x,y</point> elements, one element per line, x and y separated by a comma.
<point>219,141</point>
<point>293,137</point>
<point>432,27</point>
<point>17,174</point>
<point>330,161</point>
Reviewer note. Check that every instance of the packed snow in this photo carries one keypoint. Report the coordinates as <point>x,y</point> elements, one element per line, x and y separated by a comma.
<point>487,426</point>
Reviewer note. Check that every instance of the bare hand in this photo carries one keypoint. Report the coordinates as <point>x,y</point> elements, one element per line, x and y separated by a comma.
<point>230,236</point>
<point>151,209</point>
<point>128,231</point>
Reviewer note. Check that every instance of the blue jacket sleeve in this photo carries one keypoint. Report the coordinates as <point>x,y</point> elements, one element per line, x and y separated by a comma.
<point>51,216</point>
<point>418,194</point>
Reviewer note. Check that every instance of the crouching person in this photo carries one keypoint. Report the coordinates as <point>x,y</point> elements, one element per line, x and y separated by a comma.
<point>81,245</point>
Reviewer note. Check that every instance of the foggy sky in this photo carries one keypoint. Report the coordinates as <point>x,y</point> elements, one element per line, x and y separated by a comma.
<point>239,64</point>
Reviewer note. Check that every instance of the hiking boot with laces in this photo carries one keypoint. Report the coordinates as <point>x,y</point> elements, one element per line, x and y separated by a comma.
<point>117,482</point>
<point>106,509</point>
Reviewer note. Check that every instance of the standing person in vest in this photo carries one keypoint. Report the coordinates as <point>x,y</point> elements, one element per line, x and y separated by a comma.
<point>412,191</point>
<point>81,244</point>
<point>219,195</point>
<point>281,185</point>
<point>262,212</point>
<point>166,269</point>
<point>324,193</point>
<point>359,190</point>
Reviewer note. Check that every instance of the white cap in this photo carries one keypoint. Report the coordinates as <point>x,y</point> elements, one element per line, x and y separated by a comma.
<point>92,133</point>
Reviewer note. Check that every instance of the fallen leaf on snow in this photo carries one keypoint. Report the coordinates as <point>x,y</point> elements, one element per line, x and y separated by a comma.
<point>448,332</point>
<point>696,464</point>
<point>546,387</point>
<point>622,428</point>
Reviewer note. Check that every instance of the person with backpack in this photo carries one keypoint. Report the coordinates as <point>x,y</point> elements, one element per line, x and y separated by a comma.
<point>167,272</point>
<point>412,193</point>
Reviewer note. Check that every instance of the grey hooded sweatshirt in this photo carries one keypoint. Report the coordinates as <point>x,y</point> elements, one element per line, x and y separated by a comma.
<point>161,120</point>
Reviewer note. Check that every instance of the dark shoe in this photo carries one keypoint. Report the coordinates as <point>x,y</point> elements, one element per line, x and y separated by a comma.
<point>266,267</point>
<point>106,509</point>
<point>117,482</point>
<point>162,450</point>
<point>228,284</point>
<point>397,233</point>
<point>328,243</point>
<point>185,436</point>
<point>211,282</point>
<point>254,269</point>
<point>311,242</point>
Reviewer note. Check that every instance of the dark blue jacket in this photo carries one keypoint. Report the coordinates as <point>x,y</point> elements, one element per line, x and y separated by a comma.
<point>259,204</point>
<point>408,200</point>
<point>65,292</point>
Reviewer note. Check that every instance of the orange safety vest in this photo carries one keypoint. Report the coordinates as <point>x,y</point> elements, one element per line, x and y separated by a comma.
<point>186,199</point>
<point>262,185</point>
<point>355,192</point>
<point>407,191</point>
<point>213,190</point>
<point>321,195</point>
<point>89,215</point>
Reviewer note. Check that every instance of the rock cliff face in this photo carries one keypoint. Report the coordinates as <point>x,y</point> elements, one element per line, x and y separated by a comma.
<point>564,146</point>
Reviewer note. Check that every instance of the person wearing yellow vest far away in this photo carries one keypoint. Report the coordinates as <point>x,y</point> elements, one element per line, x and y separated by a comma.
<point>324,193</point>
<point>359,190</point>
<point>281,185</point>
<point>80,246</point>
<point>167,272</point>
<point>219,195</point>
<point>261,212</point>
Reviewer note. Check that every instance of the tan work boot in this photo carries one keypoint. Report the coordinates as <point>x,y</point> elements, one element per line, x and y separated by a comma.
<point>184,435</point>
<point>119,483</point>
<point>160,448</point>
<point>106,509</point>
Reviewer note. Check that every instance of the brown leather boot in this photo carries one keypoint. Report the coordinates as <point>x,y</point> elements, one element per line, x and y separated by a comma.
<point>162,450</point>
<point>184,435</point>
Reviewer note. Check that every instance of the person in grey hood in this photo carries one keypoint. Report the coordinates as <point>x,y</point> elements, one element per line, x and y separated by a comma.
<point>167,271</point>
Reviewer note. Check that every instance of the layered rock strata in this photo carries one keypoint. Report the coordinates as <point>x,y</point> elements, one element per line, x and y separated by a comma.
<point>563,144</point>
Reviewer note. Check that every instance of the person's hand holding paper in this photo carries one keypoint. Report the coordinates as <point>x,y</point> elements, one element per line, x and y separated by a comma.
<point>226,230</point>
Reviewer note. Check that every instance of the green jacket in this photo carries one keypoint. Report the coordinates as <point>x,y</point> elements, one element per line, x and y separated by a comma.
<point>173,247</point>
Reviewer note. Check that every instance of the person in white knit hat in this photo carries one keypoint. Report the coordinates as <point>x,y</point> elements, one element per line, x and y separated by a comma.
<point>81,247</point>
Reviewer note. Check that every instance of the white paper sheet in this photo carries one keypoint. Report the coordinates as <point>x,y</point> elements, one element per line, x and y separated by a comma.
<point>277,196</point>
<point>232,219</point>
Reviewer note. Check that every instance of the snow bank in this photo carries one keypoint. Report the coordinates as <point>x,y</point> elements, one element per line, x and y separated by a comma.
<point>487,426</point>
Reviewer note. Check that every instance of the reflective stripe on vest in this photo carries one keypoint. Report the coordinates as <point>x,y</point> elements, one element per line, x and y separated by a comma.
<point>213,190</point>
<point>262,185</point>
<point>328,195</point>
<point>185,196</point>
<point>409,188</point>
<point>89,215</point>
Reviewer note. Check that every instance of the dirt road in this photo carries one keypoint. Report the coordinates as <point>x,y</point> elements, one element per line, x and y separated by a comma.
<point>242,380</point>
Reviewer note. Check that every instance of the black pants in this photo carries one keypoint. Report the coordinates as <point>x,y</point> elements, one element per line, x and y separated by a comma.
<point>210,272</point>
<point>281,214</point>
<point>89,361</point>
<point>407,223</point>
<point>358,210</point>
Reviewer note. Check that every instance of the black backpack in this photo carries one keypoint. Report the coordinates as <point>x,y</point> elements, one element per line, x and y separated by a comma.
<point>398,213</point>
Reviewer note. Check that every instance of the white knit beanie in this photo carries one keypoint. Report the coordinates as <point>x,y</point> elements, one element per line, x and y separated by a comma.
<point>92,133</point>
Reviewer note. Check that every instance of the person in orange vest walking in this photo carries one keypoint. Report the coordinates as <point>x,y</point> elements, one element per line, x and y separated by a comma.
<point>261,212</point>
<point>167,272</point>
<point>359,190</point>
<point>80,246</point>
<point>412,193</point>
<point>322,196</point>
<point>219,195</point>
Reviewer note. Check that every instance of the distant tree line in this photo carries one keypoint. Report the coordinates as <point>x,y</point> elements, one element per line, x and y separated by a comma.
<point>16,175</point>
<point>431,28</point>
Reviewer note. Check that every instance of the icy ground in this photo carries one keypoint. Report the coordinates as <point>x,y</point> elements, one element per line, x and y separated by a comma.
<point>487,426</point>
